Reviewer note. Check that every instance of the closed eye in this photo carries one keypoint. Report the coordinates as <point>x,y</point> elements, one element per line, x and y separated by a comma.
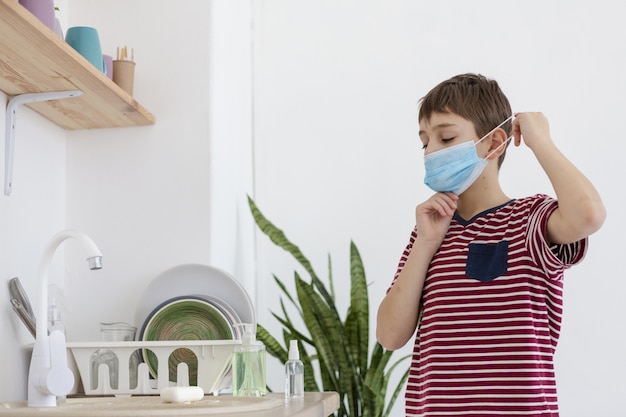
<point>444,140</point>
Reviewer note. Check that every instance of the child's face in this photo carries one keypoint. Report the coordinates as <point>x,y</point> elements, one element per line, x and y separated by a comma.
<point>443,130</point>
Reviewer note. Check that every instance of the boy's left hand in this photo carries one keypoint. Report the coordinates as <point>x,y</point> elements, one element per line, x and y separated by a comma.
<point>533,128</point>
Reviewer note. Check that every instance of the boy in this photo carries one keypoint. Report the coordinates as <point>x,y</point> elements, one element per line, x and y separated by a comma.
<point>485,271</point>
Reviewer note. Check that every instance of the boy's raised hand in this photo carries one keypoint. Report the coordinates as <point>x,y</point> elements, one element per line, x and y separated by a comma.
<point>532,127</point>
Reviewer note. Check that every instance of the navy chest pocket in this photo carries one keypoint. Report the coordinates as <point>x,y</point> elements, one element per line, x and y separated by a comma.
<point>487,261</point>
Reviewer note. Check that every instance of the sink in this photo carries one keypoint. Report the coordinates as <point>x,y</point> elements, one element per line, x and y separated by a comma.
<point>143,406</point>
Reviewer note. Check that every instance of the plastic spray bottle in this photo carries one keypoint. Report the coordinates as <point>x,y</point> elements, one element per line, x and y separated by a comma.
<point>294,373</point>
<point>54,317</point>
<point>249,365</point>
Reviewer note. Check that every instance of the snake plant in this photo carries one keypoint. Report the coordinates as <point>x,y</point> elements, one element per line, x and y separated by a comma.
<point>334,349</point>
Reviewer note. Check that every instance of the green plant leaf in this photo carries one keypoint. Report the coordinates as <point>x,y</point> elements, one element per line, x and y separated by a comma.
<point>288,325</point>
<point>272,345</point>
<point>331,284</point>
<point>376,376</point>
<point>396,392</point>
<point>357,321</point>
<point>277,236</point>
<point>283,289</point>
<point>311,307</point>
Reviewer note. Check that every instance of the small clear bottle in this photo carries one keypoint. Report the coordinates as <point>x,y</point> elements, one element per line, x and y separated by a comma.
<point>248,366</point>
<point>294,373</point>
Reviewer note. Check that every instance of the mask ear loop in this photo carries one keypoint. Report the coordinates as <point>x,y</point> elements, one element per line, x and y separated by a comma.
<point>499,146</point>
<point>495,128</point>
<point>511,117</point>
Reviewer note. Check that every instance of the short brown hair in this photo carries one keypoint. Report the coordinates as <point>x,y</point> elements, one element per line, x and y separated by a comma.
<point>473,97</point>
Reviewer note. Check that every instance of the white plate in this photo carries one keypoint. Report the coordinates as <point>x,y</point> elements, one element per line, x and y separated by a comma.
<point>195,280</point>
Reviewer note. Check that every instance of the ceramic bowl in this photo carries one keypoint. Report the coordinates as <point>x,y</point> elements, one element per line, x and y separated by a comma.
<point>184,318</point>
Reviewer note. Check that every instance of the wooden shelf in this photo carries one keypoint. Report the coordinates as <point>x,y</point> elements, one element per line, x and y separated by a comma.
<point>33,59</point>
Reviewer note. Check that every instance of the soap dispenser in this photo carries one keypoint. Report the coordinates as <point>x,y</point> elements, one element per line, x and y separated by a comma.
<point>248,366</point>
<point>294,373</point>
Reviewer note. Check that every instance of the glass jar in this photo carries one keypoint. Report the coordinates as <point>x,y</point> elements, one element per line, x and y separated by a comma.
<point>114,332</point>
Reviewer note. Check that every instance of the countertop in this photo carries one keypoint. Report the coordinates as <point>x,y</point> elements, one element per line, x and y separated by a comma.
<point>314,404</point>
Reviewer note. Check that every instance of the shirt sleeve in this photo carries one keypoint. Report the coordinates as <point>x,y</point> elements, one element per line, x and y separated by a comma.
<point>404,257</point>
<point>552,258</point>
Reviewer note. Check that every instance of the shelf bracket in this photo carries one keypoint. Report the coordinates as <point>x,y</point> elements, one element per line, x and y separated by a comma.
<point>10,121</point>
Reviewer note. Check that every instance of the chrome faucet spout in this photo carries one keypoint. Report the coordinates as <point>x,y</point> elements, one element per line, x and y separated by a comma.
<point>49,376</point>
<point>95,262</point>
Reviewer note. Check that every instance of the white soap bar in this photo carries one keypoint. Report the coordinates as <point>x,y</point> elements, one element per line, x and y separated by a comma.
<point>182,394</point>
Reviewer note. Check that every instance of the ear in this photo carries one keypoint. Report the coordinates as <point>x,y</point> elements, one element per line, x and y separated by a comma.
<point>497,144</point>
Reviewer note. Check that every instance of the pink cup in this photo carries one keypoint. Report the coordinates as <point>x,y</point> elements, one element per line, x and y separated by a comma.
<point>42,9</point>
<point>108,65</point>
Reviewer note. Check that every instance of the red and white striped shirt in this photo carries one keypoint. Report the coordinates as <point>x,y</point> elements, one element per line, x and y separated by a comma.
<point>492,305</point>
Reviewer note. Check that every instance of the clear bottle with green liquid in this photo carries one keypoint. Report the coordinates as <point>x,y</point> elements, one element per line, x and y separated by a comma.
<point>248,368</point>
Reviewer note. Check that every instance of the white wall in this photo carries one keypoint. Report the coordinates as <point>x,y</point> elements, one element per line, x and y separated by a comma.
<point>155,197</point>
<point>29,217</point>
<point>325,94</point>
<point>142,193</point>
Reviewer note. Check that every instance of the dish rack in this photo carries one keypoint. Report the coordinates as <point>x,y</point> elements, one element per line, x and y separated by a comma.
<point>214,359</point>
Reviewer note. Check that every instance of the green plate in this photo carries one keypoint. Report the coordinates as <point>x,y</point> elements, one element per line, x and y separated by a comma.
<point>184,319</point>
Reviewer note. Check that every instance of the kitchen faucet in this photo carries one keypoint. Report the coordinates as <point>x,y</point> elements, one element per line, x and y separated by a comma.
<point>49,375</point>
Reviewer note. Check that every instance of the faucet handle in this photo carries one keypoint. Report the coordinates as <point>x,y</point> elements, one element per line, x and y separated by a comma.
<point>59,379</point>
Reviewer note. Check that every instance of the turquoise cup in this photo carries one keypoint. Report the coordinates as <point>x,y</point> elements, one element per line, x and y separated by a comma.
<point>86,41</point>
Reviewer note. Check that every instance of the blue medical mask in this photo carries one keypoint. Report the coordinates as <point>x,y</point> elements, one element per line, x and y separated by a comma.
<point>455,169</point>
